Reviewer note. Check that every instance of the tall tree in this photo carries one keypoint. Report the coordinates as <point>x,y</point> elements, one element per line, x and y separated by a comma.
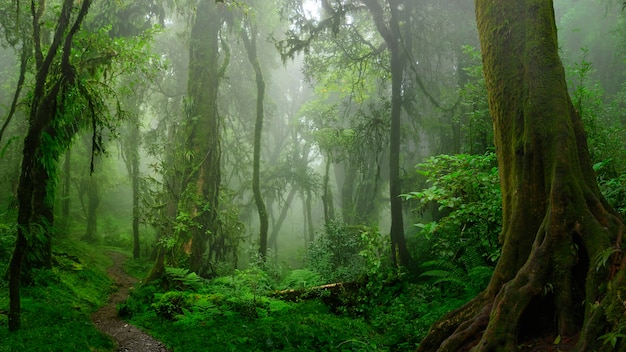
<point>249,34</point>
<point>391,33</point>
<point>202,182</point>
<point>42,144</point>
<point>561,270</point>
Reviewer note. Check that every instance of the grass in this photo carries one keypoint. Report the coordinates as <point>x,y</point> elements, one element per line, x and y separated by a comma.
<point>57,306</point>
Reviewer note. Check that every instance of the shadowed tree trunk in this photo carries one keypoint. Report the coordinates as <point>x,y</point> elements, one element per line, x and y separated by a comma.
<point>391,34</point>
<point>550,280</point>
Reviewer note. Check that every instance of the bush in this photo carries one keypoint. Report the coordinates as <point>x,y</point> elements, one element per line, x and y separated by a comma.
<point>335,253</point>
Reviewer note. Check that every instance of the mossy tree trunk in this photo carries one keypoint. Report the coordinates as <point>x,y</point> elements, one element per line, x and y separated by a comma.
<point>37,175</point>
<point>549,281</point>
<point>201,196</point>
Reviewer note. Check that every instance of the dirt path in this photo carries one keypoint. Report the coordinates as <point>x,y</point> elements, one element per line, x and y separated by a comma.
<point>127,337</point>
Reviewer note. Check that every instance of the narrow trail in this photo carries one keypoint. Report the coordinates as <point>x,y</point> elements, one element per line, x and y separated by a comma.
<point>127,337</point>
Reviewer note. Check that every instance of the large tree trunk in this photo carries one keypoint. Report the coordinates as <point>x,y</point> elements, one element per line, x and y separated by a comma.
<point>201,198</point>
<point>556,224</point>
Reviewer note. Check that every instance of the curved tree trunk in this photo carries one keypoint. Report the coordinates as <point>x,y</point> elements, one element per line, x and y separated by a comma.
<point>250,44</point>
<point>556,224</point>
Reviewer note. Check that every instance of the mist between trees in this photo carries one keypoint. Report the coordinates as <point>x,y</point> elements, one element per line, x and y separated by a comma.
<point>412,169</point>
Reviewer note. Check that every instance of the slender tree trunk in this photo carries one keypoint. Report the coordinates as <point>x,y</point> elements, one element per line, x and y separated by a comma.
<point>327,195</point>
<point>133,169</point>
<point>549,280</point>
<point>273,240</point>
<point>309,216</point>
<point>391,34</point>
<point>250,44</point>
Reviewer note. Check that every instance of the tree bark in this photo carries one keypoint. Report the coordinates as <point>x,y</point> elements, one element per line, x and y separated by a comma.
<point>556,224</point>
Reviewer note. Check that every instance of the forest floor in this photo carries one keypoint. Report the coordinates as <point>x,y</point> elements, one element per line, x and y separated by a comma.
<point>127,337</point>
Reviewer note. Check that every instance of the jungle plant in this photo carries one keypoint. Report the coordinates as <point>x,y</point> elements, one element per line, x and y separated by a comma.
<point>335,253</point>
<point>465,191</point>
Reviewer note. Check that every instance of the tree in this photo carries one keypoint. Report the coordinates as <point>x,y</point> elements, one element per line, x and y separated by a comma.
<point>561,270</point>
<point>249,34</point>
<point>42,146</point>
<point>391,33</point>
<point>203,176</point>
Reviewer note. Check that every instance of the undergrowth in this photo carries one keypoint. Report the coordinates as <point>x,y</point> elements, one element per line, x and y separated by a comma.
<point>57,305</point>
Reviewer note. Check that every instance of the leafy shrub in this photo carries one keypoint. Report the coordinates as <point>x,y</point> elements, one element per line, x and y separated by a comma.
<point>181,279</point>
<point>171,304</point>
<point>466,190</point>
<point>614,190</point>
<point>335,253</point>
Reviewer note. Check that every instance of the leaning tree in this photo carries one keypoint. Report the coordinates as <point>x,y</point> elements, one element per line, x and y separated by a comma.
<point>561,273</point>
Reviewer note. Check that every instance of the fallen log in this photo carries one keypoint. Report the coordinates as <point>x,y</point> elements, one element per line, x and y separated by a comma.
<point>328,292</point>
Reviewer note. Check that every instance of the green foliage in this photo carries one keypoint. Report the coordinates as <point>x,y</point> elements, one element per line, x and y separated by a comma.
<point>181,279</point>
<point>475,122</point>
<point>57,304</point>
<point>7,239</point>
<point>301,278</point>
<point>465,189</point>
<point>335,253</point>
<point>468,281</point>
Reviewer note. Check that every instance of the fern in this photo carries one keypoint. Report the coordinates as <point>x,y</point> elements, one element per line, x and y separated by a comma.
<point>448,275</point>
<point>181,279</point>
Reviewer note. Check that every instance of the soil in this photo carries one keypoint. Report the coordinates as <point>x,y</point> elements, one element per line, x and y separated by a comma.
<point>127,337</point>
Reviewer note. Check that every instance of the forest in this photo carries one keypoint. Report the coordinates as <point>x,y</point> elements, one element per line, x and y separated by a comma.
<point>312,175</point>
